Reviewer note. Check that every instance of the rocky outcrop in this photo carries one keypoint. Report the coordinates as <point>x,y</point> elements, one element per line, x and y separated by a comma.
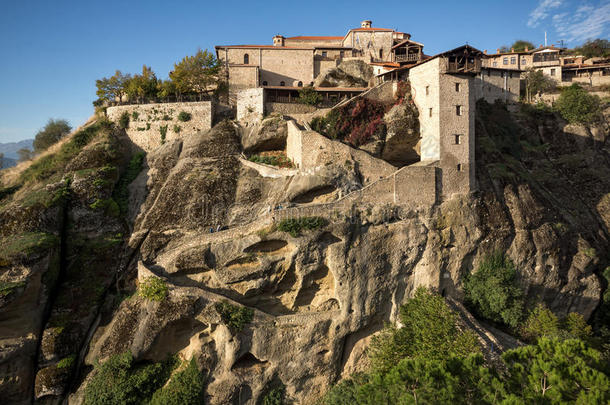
<point>402,138</point>
<point>270,134</point>
<point>351,73</point>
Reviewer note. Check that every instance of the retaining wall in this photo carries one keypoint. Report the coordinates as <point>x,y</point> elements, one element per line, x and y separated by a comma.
<point>145,125</point>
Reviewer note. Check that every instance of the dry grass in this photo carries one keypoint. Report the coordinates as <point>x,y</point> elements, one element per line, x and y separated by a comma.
<point>11,175</point>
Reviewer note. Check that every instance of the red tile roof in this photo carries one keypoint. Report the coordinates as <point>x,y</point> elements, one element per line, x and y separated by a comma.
<point>372,29</point>
<point>312,38</point>
<point>261,46</point>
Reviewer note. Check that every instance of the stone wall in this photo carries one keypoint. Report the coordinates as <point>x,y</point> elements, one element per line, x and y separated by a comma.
<point>497,84</point>
<point>242,78</point>
<point>144,128</point>
<point>251,104</point>
<point>289,108</point>
<point>425,91</point>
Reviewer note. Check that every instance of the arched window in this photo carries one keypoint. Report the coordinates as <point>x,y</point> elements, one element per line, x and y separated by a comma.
<point>246,59</point>
<point>381,54</point>
<point>264,82</point>
<point>300,84</point>
<point>282,83</point>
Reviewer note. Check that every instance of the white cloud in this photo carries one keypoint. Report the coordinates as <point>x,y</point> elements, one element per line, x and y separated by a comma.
<point>587,22</point>
<point>542,11</point>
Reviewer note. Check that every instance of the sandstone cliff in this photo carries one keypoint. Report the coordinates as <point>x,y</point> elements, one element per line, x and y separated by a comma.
<point>317,295</point>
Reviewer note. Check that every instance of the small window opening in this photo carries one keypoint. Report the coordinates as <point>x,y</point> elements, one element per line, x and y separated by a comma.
<point>264,82</point>
<point>282,83</point>
<point>427,90</point>
<point>246,59</point>
<point>457,87</point>
<point>430,112</point>
<point>324,53</point>
<point>458,110</point>
<point>458,139</point>
<point>381,54</point>
<point>300,84</point>
<point>459,167</point>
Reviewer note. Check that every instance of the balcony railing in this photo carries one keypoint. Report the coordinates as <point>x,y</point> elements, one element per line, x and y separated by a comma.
<point>463,66</point>
<point>414,57</point>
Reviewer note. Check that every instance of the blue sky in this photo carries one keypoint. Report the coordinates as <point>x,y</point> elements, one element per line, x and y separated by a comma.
<point>53,51</point>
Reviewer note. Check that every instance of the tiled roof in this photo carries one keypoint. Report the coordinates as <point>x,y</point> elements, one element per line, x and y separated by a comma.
<point>261,46</point>
<point>311,38</point>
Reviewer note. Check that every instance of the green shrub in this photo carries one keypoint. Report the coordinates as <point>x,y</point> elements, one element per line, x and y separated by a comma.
<point>576,105</point>
<point>429,331</point>
<point>183,116</point>
<point>308,95</point>
<point>184,388</point>
<point>121,191</point>
<point>541,322</point>
<point>166,117</point>
<point>233,316</point>
<point>66,362</point>
<point>135,115</point>
<point>124,120</point>
<point>273,160</point>
<point>153,288</point>
<point>7,287</point>
<point>108,205</point>
<point>27,244</point>
<point>493,291</point>
<point>177,129</point>
<point>294,226</point>
<point>120,380</point>
<point>163,131</point>
<point>275,396</point>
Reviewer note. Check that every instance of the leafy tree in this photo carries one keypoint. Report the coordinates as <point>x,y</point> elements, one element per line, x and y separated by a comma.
<point>196,74</point>
<point>504,49</point>
<point>429,331</point>
<point>541,322</point>
<point>576,105</point>
<point>557,371</point>
<point>308,95</point>
<point>25,154</point>
<point>493,291</point>
<point>594,48</point>
<point>184,388</point>
<point>520,45</point>
<point>143,86</point>
<point>166,88</point>
<point>112,88</point>
<point>52,132</point>
<point>536,82</point>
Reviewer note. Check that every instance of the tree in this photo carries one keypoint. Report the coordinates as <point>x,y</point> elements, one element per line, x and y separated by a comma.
<point>52,132</point>
<point>557,371</point>
<point>594,48</point>
<point>142,87</point>
<point>196,74</point>
<point>25,154</point>
<point>520,45</point>
<point>112,88</point>
<point>308,95</point>
<point>1,160</point>
<point>541,322</point>
<point>493,291</point>
<point>576,105</point>
<point>166,88</point>
<point>536,82</point>
<point>429,331</point>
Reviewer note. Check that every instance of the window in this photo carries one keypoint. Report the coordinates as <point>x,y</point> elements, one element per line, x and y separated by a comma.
<point>458,139</point>
<point>552,72</point>
<point>282,83</point>
<point>524,61</point>
<point>458,110</point>
<point>324,53</point>
<point>430,112</point>
<point>459,167</point>
<point>300,84</point>
<point>505,61</point>
<point>510,74</point>
<point>381,54</point>
<point>513,60</point>
<point>246,59</point>
<point>342,53</point>
<point>501,74</point>
<point>495,63</point>
<point>427,90</point>
<point>457,87</point>
<point>264,82</point>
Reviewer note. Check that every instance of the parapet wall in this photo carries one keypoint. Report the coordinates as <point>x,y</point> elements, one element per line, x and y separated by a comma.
<point>147,120</point>
<point>289,108</point>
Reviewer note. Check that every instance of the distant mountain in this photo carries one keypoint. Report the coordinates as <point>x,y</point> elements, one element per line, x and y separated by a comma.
<point>8,162</point>
<point>10,148</point>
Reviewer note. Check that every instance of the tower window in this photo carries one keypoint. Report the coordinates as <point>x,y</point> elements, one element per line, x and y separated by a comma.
<point>381,54</point>
<point>458,139</point>
<point>324,53</point>
<point>430,112</point>
<point>342,54</point>
<point>246,59</point>
<point>300,84</point>
<point>459,167</point>
<point>458,110</point>
<point>282,83</point>
<point>427,90</point>
<point>457,87</point>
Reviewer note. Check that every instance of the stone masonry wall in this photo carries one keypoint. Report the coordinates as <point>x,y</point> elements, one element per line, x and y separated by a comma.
<point>495,84</point>
<point>289,108</point>
<point>146,120</point>
<point>251,104</point>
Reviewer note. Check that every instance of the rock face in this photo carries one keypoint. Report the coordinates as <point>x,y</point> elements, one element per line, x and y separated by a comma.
<point>317,295</point>
<point>270,134</point>
<point>402,139</point>
<point>351,73</point>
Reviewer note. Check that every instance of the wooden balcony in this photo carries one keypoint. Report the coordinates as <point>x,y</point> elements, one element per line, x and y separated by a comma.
<point>414,57</point>
<point>462,65</point>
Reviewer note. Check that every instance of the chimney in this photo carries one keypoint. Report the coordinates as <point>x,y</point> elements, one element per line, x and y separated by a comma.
<point>485,51</point>
<point>512,50</point>
<point>527,49</point>
<point>497,50</point>
<point>366,24</point>
<point>278,40</point>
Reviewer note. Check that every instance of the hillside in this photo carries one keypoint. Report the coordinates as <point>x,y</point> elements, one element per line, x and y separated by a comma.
<point>110,253</point>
